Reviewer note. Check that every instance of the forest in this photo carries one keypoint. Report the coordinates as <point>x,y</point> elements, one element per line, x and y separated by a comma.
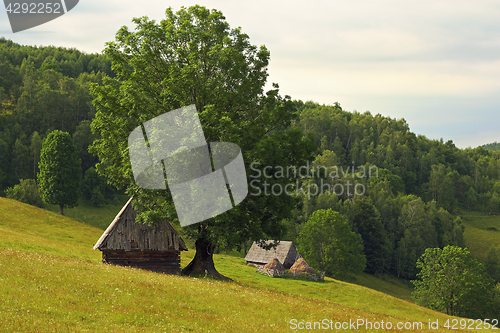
<point>409,204</point>
<point>492,146</point>
<point>44,89</point>
<point>414,199</point>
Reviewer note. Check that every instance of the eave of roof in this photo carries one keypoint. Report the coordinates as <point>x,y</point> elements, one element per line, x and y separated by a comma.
<point>111,226</point>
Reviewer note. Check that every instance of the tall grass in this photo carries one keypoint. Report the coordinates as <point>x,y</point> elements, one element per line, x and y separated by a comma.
<point>52,281</point>
<point>44,293</point>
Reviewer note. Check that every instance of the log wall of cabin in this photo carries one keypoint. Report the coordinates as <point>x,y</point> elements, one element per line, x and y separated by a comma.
<point>163,262</point>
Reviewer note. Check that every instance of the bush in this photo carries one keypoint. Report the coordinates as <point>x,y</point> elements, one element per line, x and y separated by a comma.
<point>26,191</point>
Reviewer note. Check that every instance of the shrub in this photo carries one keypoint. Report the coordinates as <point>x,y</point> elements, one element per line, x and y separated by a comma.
<point>26,191</point>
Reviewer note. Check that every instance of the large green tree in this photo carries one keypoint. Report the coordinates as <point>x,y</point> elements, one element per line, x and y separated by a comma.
<point>60,171</point>
<point>328,243</point>
<point>452,281</point>
<point>194,57</point>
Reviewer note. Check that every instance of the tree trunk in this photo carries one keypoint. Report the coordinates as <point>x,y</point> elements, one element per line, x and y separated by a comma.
<point>61,209</point>
<point>203,261</point>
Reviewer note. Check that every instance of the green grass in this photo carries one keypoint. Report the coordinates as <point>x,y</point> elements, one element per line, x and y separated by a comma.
<point>26,227</point>
<point>102,216</point>
<point>387,284</point>
<point>482,231</point>
<point>97,217</point>
<point>52,280</point>
<point>326,290</point>
<point>43,292</point>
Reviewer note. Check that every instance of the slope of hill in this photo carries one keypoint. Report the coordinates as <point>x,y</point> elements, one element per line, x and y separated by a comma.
<point>482,231</point>
<point>96,217</point>
<point>52,280</point>
<point>101,217</point>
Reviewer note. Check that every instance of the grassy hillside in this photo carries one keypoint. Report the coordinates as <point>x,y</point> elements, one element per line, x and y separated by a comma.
<point>52,280</point>
<point>482,231</point>
<point>102,216</point>
<point>86,213</point>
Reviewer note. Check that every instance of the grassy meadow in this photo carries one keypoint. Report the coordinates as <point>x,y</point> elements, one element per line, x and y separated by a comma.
<point>52,281</point>
<point>482,231</point>
<point>97,217</point>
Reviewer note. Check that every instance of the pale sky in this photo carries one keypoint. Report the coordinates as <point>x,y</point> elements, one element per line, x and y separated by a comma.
<point>434,63</point>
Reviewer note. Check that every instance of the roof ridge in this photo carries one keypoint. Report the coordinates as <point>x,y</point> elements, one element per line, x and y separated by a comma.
<point>112,225</point>
<point>162,235</point>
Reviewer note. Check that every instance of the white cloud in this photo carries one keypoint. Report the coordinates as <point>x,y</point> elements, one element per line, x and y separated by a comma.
<point>402,59</point>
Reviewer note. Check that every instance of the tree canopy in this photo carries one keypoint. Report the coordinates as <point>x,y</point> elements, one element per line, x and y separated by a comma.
<point>42,88</point>
<point>452,281</point>
<point>194,57</point>
<point>60,171</point>
<point>418,188</point>
<point>367,223</point>
<point>328,243</point>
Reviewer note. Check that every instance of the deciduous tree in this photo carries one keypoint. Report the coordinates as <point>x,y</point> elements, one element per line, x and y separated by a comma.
<point>328,243</point>
<point>60,171</point>
<point>452,281</point>
<point>194,57</point>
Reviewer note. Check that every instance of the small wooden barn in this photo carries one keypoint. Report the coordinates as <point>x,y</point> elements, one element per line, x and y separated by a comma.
<point>127,243</point>
<point>285,252</point>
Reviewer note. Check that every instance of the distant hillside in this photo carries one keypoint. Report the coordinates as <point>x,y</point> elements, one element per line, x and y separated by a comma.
<point>54,281</point>
<point>43,89</point>
<point>492,146</point>
<point>481,233</point>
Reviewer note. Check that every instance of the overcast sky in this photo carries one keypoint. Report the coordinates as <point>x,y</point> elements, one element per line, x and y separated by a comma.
<point>434,63</point>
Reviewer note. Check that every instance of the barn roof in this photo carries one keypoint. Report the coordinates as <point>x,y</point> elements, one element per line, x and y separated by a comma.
<point>285,252</point>
<point>126,234</point>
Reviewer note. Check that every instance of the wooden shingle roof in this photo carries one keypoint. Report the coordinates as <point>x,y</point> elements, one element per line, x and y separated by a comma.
<point>125,234</point>
<point>285,252</point>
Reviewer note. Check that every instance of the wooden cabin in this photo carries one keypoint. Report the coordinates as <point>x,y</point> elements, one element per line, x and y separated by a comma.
<point>285,252</point>
<point>127,243</point>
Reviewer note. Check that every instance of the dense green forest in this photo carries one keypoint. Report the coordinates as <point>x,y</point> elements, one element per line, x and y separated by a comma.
<point>495,146</point>
<point>413,193</point>
<point>407,202</point>
<point>43,89</point>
